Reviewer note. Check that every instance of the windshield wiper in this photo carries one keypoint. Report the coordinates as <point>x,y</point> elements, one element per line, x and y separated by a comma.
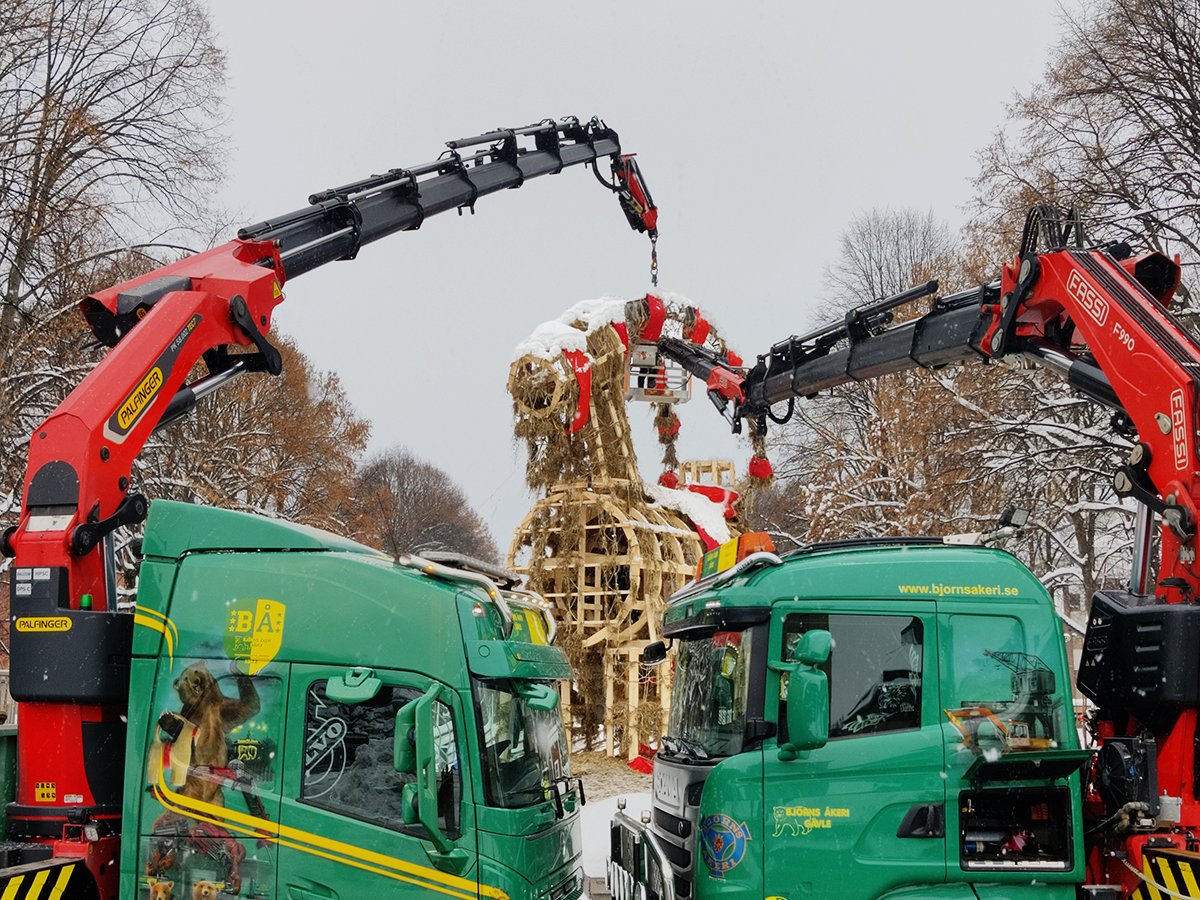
<point>567,782</point>
<point>684,749</point>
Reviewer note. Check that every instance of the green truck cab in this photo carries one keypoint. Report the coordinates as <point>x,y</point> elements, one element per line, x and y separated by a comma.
<point>310,719</point>
<point>863,719</point>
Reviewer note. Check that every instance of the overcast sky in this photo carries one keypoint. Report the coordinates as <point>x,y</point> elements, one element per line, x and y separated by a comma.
<point>761,129</point>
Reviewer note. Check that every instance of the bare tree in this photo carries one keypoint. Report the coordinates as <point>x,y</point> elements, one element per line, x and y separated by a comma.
<point>107,133</point>
<point>1113,127</point>
<point>284,447</point>
<point>108,144</point>
<point>406,505</point>
<point>884,457</point>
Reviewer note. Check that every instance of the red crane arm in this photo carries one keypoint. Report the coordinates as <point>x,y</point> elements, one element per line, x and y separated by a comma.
<point>1087,305</point>
<point>103,424</point>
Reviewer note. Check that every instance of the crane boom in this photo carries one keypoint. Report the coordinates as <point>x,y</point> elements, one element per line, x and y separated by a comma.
<point>70,643</point>
<point>1098,316</point>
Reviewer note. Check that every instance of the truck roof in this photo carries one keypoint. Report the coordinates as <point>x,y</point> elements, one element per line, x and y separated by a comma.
<point>173,529</point>
<point>203,565</point>
<point>922,570</point>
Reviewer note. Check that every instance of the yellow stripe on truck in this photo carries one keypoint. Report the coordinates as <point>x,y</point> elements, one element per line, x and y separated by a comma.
<point>347,854</point>
<point>162,625</point>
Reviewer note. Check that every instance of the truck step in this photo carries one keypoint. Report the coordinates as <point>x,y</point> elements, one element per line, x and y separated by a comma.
<point>58,878</point>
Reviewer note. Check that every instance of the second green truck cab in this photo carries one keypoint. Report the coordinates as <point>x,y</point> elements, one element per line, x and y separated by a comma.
<point>863,719</point>
<point>310,719</point>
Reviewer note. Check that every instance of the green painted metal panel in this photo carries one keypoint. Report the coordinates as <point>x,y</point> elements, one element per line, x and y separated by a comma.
<point>236,595</point>
<point>827,822</point>
<point>151,630</point>
<point>8,770</point>
<point>891,572</point>
<point>730,847</point>
<point>137,742</point>
<point>831,815</point>
<point>338,847</point>
<point>334,608</point>
<point>173,529</point>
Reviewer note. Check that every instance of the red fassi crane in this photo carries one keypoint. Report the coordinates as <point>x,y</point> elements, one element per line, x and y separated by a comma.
<point>1098,315</point>
<point>78,488</point>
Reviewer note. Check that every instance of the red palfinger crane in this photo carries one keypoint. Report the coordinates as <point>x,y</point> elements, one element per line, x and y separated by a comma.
<point>78,487</point>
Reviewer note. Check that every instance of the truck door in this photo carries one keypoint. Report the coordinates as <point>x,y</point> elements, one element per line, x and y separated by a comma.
<point>867,809</point>
<point>1011,748</point>
<point>212,772</point>
<point>342,825</point>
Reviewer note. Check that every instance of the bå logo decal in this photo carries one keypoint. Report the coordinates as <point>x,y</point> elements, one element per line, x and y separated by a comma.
<point>722,843</point>
<point>254,632</point>
<point>1088,297</point>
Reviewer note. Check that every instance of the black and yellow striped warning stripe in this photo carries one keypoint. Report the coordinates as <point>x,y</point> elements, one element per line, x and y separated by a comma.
<point>1178,873</point>
<point>317,845</point>
<point>40,882</point>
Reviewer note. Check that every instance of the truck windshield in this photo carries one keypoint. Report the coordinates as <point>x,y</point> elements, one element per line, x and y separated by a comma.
<point>524,749</point>
<point>708,702</point>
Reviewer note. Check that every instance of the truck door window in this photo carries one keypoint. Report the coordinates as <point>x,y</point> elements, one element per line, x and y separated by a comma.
<point>874,671</point>
<point>1001,694</point>
<point>348,762</point>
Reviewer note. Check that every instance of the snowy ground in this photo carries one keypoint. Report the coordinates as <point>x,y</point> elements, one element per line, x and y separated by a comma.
<point>594,824</point>
<point>603,776</point>
<point>605,779</point>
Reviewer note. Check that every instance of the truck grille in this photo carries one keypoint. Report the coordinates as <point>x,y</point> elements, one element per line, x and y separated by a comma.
<point>570,888</point>
<point>672,824</point>
<point>680,857</point>
<point>636,871</point>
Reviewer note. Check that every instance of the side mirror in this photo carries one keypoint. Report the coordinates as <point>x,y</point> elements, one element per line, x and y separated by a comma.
<point>410,804</point>
<point>356,686</point>
<point>814,648</point>
<point>654,653</point>
<point>413,754</point>
<point>404,741</point>
<point>808,696</point>
<point>537,696</point>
